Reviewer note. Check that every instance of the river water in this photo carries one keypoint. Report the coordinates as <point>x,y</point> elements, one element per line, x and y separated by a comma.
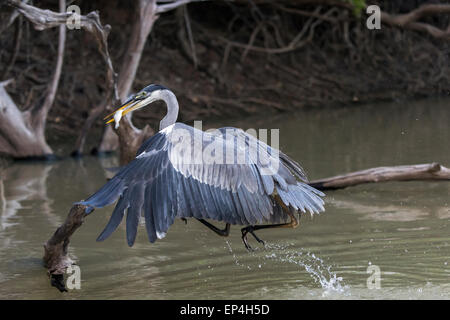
<point>401,229</point>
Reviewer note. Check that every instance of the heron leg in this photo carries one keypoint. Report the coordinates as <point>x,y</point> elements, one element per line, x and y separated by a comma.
<point>250,229</point>
<point>224,232</point>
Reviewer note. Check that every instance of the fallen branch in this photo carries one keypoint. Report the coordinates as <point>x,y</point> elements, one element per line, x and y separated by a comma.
<point>429,171</point>
<point>56,258</point>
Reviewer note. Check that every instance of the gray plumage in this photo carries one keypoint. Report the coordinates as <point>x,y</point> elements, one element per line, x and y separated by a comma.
<point>161,185</point>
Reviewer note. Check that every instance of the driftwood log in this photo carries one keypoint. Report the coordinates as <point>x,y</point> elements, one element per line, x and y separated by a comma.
<point>429,171</point>
<point>56,257</point>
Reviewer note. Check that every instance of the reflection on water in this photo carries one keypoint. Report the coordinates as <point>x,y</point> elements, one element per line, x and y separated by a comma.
<point>24,184</point>
<point>402,227</point>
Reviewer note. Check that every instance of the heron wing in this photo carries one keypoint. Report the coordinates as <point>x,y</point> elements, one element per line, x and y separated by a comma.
<point>229,158</point>
<point>167,180</point>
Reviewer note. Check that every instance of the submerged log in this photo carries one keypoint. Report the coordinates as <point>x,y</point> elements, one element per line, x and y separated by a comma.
<point>429,171</point>
<point>56,258</point>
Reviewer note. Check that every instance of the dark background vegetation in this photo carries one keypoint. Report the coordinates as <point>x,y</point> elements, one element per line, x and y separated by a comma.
<point>341,62</point>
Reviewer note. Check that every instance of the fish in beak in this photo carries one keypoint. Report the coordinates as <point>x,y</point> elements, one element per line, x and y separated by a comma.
<point>136,102</point>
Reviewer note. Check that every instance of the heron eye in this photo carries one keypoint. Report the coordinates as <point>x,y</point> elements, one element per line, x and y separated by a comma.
<point>141,95</point>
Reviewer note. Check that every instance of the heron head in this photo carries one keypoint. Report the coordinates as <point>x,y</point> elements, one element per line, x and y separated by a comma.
<point>136,101</point>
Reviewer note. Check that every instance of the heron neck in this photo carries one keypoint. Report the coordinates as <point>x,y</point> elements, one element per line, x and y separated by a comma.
<point>172,109</point>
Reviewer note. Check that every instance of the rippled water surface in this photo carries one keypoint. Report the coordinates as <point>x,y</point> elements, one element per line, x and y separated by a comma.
<point>401,227</point>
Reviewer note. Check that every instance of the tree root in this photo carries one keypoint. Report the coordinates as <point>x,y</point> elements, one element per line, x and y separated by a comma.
<point>410,19</point>
<point>35,119</point>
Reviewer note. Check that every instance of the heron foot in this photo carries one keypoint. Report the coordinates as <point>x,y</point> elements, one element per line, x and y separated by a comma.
<point>247,230</point>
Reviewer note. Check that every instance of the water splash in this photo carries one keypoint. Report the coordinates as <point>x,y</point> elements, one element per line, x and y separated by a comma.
<point>319,271</point>
<point>236,260</point>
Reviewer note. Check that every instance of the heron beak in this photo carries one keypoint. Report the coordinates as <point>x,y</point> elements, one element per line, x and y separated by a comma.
<point>122,107</point>
<point>126,108</point>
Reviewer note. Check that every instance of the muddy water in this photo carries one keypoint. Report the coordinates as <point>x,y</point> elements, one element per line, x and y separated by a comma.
<point>401,229</point>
